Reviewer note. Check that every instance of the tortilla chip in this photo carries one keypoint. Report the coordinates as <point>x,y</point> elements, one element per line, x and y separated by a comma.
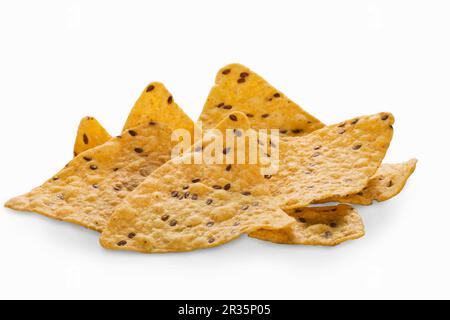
<point>90,134</point>
<point>332,162</point>
<point>157,104</point>
<point>323,226</point>
<point>182,207</point>
<point>86,191</point>
<point>238,88</point>
<point>389,181</point>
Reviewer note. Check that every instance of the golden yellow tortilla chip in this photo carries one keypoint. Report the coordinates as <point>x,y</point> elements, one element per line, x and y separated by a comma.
<point>86,191</point>
<point>90,134</point>
<point>238,88</point>
<point>182,207</point>
<point>323,226</point>
<point>157,104</point>
<point>332,162</point>
<point>389,181</point>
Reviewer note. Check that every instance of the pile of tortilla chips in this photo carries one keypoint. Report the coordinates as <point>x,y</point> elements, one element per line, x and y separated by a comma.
<point>142,198</point>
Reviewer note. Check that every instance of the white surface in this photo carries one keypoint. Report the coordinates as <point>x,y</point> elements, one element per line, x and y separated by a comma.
<point>62,60</point>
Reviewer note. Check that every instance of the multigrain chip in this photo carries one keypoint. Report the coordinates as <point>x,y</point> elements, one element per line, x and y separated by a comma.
<point>324,226</point>
<point>87,190</point>
<point>156,104</point>
<point>389,181</point>
<point>238,88</point>
<point>173,208</point>
<point>182,207</point>
<point>90,134</point>
<point>331,162</point>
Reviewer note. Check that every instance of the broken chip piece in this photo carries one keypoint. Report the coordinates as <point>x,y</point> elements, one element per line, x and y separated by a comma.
<point>324,226</point>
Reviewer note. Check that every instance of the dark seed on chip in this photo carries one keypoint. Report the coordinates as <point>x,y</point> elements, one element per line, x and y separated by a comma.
<point>174,194</point>
<point>132,133</point>
<point>131,235</point>
<point>87,158</point>
<point>209,201</point>
<point>302,220</point>
<point>276,95</point>
<point>233,117</point>
<point>267,176</point>
<point>246,193</point>
<point>249,115</point>
<point>298,210</point>
<point>385,117</point>
<point>150,88</point>
<point>317,147</point>
<point>265,115</point>
<point>55,178</point>
<point>390,184</point>
<point>244,74</point>
<point>245,207</point>
<point>327,234</point>
<point>211,240</point>
<point>95,186</point>
<point>341,131</point>
<point>227,107</point>
<point>152,123</point>
<point>333,225</point>
<point>187,194</point>
<point>357,147</point>
<point>226,71</point>
<point>173,223</point>
<point>228,168</point>
<point>85,139</point>
<point>93,167</point>
<point>241,80</point>
<point>185,187</point>
<point>117,187</point>
<point>283,131</point>
<point>121,243</point>
<point>355,121</point>
<point>165,217</point>
<point>297,131</point>
<point>227,186</point>
<point>195,180</point>
<point>170,100</point>
<point>138,150</point>
<point>210,224</point>
<point>220,105</point>
<point>194,196</point>
<point>115,169</point>
<point>341,125</point>
<point>217,187</point>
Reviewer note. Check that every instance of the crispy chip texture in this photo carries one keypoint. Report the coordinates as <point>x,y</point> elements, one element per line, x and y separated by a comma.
<point>90,134</point>
<point>238,88</point>
<point>182,207</point>
<point>324,226</point>
<point>388,182</point>
<point>332,162</point>
<point>86,191</point>
<point>157,104</point>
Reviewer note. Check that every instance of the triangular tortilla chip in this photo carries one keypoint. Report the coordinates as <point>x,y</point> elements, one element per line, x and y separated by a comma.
<point>86,191</point>
<point>182,207</point>
<point>238,88</point>
<point>331,162</point>
<point>157,104</point>
<point>324,226</point>
<point>90,134</point>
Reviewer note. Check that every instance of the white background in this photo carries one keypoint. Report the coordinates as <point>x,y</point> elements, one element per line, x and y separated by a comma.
<point>62,60</point>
